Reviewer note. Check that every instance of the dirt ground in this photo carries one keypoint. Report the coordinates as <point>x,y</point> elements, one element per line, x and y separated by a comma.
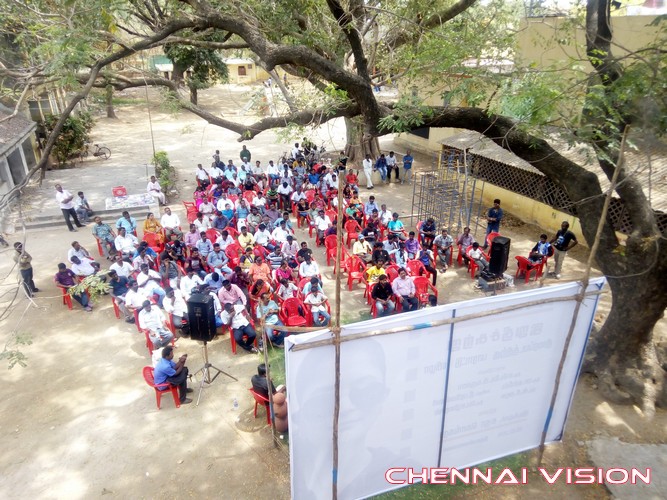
<point>79,422</point>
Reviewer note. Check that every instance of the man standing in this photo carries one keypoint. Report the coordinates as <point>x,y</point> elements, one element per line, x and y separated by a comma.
<point>171,223</point>
<point>493,218</point>
<point>407,167</point>
<point>561,243</point>
<point>443,244</point>
<point>236,317</point>
<point>105,236</point>
<point>174,373</point>
<point>24,262</point>
<point>245,155</point>
<point>65,198</point>
<point>152,319</point>
<point>404,287</point>
<point>368,171</point>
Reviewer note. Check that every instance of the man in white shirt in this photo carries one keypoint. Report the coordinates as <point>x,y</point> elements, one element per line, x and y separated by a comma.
<point>65,198</point>
<point>298,195</point>
<point>215,172</point>
<point>154,189</point>
<point>188,282</point>
<point>175,305</point>
<point>149,281</point>
<point>224,240</point>
<point>262,236</point>
<point>170,222</point>
<point>202,175</point>
<point>122,268</point>
<point>368,171</point>
<point>134,299</point>
<point>309,268</point>
<point>207,208</point>
<point>296,151</point>
<point>317,301</point>
<point>280,233</point>
<point>322,223</point>
<point>391,165</point>
<point>153,320</point>
<point>125,243</point>
<point>273,172</point>
<point>289,249</point>
<point>237,319</point>
<point>78,251</point>
<point>201,223</point>
<point>385,214</point>
<point>84,267</point>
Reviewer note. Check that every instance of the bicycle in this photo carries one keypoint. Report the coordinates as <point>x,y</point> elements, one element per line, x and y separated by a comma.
<point>100,151</point>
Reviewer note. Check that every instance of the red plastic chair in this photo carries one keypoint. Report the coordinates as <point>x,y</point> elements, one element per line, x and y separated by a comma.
<point>423,289</point>
<point>67,299</point>
<point>232,231</point>
<point>212,234</point>
<point>392,272</point>
<point>99,247</point>
<point>352,229</point>
<point>345,254</point>
<point>472,265</point>
<point>490,237</point>
<point>232,339</point>
<point>416,268</point>
<point>249,196</point>
<point>356,271</point>
<point>332,214</point>
<point>330,246</point>
<point>261,400</point>
<point>150,380</point>
<point>116,309</point>
<point>153,242</point>
<point>525,267</point>
<point>290,315</point>
<point>310,195</point>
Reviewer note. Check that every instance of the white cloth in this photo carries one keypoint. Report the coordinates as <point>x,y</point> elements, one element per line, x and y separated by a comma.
<point>187,284</point>
<point>61,196</point>
<point>279,234</point>
<point>134,299</point>
<point>83,269</point>
<point>126,244</point>
<point>81,253</point>
<point>147,281</point>
<point>123,269</point>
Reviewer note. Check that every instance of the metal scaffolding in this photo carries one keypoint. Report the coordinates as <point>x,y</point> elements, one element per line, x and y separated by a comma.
<point>450,194</point>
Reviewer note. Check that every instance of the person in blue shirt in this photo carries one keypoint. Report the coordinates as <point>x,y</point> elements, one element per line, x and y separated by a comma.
<point>541,250</point>
<point>407,167</point>
<point>381,166</point>
<point>166,371</point>
<point>313,178</point>
<point>493,218</point>
<point>129,223</point>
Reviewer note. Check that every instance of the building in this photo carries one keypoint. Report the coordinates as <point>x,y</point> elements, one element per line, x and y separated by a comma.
<point>17,149</point>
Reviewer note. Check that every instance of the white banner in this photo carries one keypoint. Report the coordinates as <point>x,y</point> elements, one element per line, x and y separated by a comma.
<point>448,396</point>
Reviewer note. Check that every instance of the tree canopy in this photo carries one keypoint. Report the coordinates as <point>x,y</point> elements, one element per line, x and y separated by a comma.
<point>456,49</point>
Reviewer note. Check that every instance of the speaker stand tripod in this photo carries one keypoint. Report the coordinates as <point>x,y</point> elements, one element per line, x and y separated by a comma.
<point>206,372</point>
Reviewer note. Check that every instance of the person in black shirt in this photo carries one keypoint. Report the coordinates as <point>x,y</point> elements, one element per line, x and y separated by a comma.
<point>382,294</point>
<point>260,384</point>
<point>561,243</point>
<point>379,253</point>
<point>119,287</point>
<point>175,248</point>
<point>303,251</point>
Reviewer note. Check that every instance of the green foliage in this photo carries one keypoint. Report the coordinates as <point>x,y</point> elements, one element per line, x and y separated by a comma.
<point>205,66</point>
<point>73,136</point>
<point>12,352</point>
<point>408,113</point>
<point>92,285</point>
<point>164,171</point>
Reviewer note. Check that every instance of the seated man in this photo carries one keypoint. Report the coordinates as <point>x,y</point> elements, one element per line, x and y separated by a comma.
<point>174,373</point>
<point>263,237</point>
<point>85,267</point>
<point>152,319</point>
<point>280,233</point>
<point>318,302</point>
<point>322,223</point>
<point>213,281</point>
<point>396,227</point>
<point>443,244</point>
<point>174,304</point>
<point>541,250</point>
<point>153,188</point>
<point>307,288</point>
<point>287,289</point>
<point>412,245</point>
<point>169,270</point>
<point>196,263</point>
<point>217,260</point>
<point>237,318</point>
<point>268,309</point>
<point>79,251</point>
<point>204,246</point>
<point>404,287</point>
<point>382,294</point>
<point>275,258</point>
<point>375,271</point>
<point>66,279</point>
<point>309,268</point>
<point>477,255</point>
<point>362,249</point>
<point>230,293</point>
<point>465,240</point>
<point>189,282</point>
<point>105,236</point>
<point>149,282</point>
<point>171,223</point>
<point>245,238</point>
<point>128,222</point>
<point>82,208</point>
<point>126,243</point>
<point>192,237</point>
<point>260,384</point>
<point>120,285</point>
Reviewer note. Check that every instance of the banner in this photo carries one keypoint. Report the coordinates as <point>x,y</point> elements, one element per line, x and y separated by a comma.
<point>446,396</point>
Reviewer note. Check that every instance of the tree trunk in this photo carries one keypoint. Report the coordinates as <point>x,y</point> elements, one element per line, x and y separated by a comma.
<point>359,144</point>
<point>177,74</point>
<point>622,353</point>
<point>193,95</point>
<point>109,99</point>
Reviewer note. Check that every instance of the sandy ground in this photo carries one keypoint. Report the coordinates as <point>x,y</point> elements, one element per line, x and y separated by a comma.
<point>79,422</point>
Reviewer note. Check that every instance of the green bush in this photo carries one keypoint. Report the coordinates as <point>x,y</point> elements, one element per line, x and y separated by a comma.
<point>165,173</point>
<point>73,136</point>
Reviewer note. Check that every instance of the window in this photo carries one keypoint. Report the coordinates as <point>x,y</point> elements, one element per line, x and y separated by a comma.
<point>249,66</point>
<point>242,71</point>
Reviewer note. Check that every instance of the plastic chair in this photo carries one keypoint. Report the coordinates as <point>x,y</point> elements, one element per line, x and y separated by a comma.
<point>525,267</point>
<point>232,339</point>
<point>116,309</point>
<point>416,268</point>
<point>352,229</point>
<point>67,299</point>
<point>153,242</point>
<point>150,380</point>
<point>290,314</point>
<point>261,400</point>
<point>356,271</point>
<point>310,195</point>
<point>424,288</point>
<point>472,265</point>
<point>490,237</point>
<point>212,234</point>
<point>249,196</point>
<point>99,247</point>
<point>345,254</point>
<point>330,246</point>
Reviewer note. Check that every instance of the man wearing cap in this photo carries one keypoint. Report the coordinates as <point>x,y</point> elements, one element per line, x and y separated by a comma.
<point>236,317</point>
<point>362,249</point>
<point>231,294</point>
<point>174,373</point>
<point>152,319</point>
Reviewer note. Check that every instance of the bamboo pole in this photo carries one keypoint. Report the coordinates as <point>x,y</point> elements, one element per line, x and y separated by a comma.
<point>267,343</point>
<point>447,321</point>
<point>581,294</point>
<point>336,332</point>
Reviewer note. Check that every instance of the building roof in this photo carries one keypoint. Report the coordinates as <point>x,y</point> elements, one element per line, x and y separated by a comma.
<point>13,130</point>
<point>239,60</point>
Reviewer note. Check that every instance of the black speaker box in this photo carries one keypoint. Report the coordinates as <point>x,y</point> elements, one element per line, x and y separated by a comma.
<point>500,254</point>
<point>201,317</point>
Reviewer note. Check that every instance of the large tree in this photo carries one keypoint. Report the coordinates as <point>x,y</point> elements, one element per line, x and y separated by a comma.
<point>343,47</point>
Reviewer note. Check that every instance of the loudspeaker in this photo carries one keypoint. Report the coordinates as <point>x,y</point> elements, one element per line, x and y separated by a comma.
<point>500,254</point>
<point>201,317</point>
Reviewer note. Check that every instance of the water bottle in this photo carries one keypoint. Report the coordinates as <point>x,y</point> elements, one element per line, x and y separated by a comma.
<point>236,404</point>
